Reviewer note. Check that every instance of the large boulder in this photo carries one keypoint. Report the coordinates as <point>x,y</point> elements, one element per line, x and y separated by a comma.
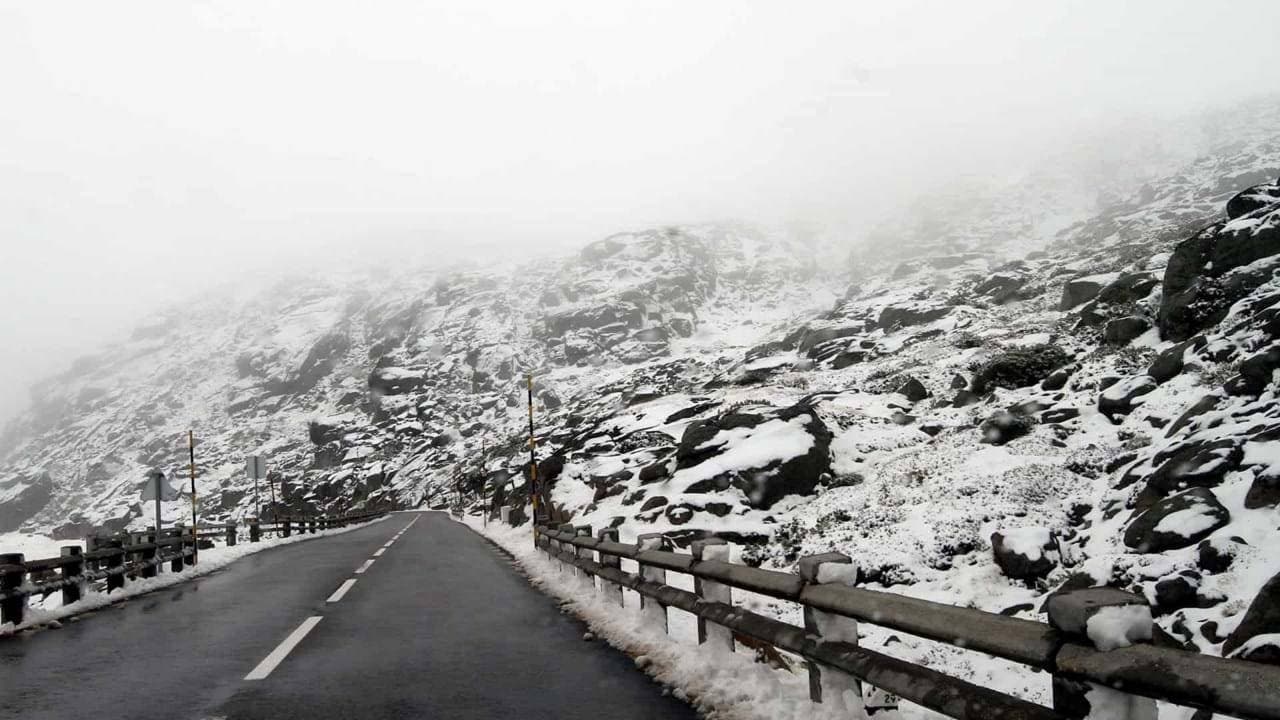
<point>766,455</point>
<point>1001,288</point>
<point>913,389</point>
<point>1249,640</point>
<point>1191,464</point>
<point>1177,522</point>
<point>1253,199</point>
<point>1169,362</point>
<point>913,313</point>
<point>1025,554</point>
<point>1123,330</point>
<point>1122,397</point>
<point>326,429</point>
<point>1255,372</point>
<point>1081,290</point>
<point>1118,298</point>
<point>394,381</point>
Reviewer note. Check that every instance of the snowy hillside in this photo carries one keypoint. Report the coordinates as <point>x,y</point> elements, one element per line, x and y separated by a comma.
<point>1038,392</point>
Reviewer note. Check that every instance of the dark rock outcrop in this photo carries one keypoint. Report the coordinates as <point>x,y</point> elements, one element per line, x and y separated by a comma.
<point>1207,272</point>
<point>1262,618</point>
<point>764,485</point>
<point>1177,522</point>
<point>26,497</point>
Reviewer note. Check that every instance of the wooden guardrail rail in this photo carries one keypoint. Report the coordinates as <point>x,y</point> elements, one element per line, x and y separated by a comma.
<point>129,556</point>
<point>1088,681</point>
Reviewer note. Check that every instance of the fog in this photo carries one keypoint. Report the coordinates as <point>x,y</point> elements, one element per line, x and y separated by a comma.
<point>149,150</point>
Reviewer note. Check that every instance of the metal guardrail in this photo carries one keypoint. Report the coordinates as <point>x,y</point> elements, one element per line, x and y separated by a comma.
<point>1136,675</point>
<point>113,560</point>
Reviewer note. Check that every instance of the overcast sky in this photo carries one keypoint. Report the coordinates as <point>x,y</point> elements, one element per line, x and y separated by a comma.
<point>151,149</point>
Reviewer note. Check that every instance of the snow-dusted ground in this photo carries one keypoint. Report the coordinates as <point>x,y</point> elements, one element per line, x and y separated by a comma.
<point>50,611</point>
<point>34,545</point>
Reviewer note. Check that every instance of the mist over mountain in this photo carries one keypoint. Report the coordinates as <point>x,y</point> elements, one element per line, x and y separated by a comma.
<point>999,389</point>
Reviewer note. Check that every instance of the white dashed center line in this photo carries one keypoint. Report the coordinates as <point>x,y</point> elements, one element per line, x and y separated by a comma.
<point>342,590</point>
<point>282,650</point>
<point>379,551</point>
<point>360,570</point>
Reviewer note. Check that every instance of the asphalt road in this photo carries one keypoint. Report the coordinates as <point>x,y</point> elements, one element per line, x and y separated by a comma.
<point>439,625</point>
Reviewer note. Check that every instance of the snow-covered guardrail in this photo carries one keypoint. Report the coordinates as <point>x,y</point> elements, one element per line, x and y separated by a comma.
<point>128,556</point>
<point>1097,644</point>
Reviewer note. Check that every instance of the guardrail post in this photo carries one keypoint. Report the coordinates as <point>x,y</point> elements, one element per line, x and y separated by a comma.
<point>255,530</point>
<point>115,581</point>
<point>176,562</point>
<point>717,637</point>
<point>149,555</point>
<point>72,572</point>
<point>231,533</point>
<point>562,546</point>
<point>654,612</point>
<point>191,533</point>
<point>585,578</point>
<point>827,685</point>
<point>287,528</point>
<point>12,609</point>
<point>610,590</point>
<point>1119,619</point>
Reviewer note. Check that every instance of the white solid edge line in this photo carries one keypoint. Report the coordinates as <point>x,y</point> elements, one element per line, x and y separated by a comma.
<point>282,650</point>
<point>379,551</point>
<point>342,590</point>
<point>360,570</point>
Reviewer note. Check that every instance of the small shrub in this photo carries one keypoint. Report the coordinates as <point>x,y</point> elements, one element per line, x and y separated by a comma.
<point>1019,367</point>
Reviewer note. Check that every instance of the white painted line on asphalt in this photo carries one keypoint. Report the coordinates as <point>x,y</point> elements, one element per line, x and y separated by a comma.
<point>282,650</point>
<point>360,570</point>
<point>389,542</point>
<point>342,590</point>
<point>379,551</point>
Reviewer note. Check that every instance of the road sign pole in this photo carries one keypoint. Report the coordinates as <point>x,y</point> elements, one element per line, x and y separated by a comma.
<point>533,462</point>
<point>257,505</point>
<point>275,516</point>
<point>195,528</point>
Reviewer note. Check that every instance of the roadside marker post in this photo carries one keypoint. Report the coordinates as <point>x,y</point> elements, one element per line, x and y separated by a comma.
<point>533,462</point>
<point>195,523</point>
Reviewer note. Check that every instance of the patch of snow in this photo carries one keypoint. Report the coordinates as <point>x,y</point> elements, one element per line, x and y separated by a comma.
<point>1028,542</point>
<point>1186,522</point>
<point>1119,626</point>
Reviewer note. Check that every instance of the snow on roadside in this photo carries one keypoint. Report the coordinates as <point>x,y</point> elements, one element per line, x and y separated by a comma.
<point>732,687</point>
<point>50,610</point>
<point>33,546</point>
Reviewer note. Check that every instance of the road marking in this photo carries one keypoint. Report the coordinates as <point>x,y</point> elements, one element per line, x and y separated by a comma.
<point>379,551</point>
<point>360,570</point>
<point>342,590</point>
<point>388,543</point>
<point>282,650</point>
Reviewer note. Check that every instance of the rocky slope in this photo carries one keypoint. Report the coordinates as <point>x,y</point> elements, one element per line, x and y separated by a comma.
<point>1084,398</point>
